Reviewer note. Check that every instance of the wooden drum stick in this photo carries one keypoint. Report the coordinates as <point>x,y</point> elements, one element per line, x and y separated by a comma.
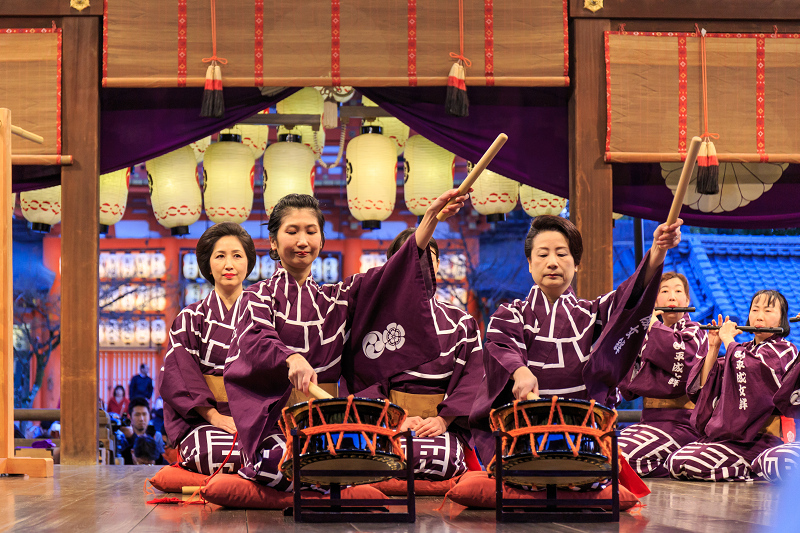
<point>479,167</point>
<point>532,396</point>
<point>686,176</point>
<point>317,392</point>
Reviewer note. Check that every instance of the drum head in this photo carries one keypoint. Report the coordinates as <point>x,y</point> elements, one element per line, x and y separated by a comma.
<point>596,467</point>
<point>345,467</point>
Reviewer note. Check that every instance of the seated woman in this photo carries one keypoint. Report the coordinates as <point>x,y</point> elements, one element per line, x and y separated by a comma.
<point>671,349</point>
<point>735,413</point>
<point>438,395</point>
<point>292,332</point>
<point>555,344</point>
<point>197,417</point>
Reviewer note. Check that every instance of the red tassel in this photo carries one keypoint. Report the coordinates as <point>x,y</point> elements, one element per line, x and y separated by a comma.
<point>457,102</point>
<point>707,169</point>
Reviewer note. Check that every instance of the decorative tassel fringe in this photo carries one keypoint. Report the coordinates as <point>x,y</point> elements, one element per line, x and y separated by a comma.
<point>707,169</point>
<point>457,103</point>
<point>213,102</point>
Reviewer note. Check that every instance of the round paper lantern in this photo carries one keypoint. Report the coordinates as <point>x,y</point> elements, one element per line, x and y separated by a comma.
<point>112,333</point>
<point>192,293</point>
<point>253,136</point>
<point>42,207</point>
<point>330,270</point>
<point>127,332</point>
<point>306,101</point>
<point>536,202</point>
<point>392,127</point>
<point>113,197</point>
<point>158,265</point>
<point>199,148</point>
<point>142,265</point>
<point>127,266</point>
<point>158,331</point>
<point>142,332</point>
<point>112,266</point>
<point>158,298</point>
<point>102,264</point>
<point>102,326</point>
<point>228,180</point>
<point>288,168</point>
<point>428,173</point>
<point>142,298</point>
<point>494,195</point>
<point>174,190</point>
<point>128,300</point>
<point>371,177</point>
<point>191,270</point>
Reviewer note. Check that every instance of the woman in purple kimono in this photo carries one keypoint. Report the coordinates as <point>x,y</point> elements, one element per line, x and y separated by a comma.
<point>197,418</point>
<point>777,463</point>
<point>671,349</point>
<point>553,343</point>
<point>292,332</point>
<point>735,415</point>
<point>438,395</point>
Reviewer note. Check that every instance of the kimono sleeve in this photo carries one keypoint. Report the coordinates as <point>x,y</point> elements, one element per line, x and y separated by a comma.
<point>706,396</point>
<point>664,343</point>
<point>467,376</point>
<point>256,374</point>
<point>183,386</point>
<point>787,398</point>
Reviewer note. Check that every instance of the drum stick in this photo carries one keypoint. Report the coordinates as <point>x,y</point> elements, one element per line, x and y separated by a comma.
<point>532,396</point>
<point>675,309</point>
<point>190,489</point>
<point>317,392</point>
<point>686,176</point>
<point>478,168</point>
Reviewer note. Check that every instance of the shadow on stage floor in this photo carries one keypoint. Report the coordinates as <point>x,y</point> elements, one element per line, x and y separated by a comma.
<point>111,498</point>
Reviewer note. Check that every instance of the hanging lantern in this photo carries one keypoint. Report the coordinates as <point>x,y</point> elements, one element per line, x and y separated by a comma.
<point>494,195</point>
<point>113,197</point>
<point>158,265</point>
<point>112,333</point>
<point>199,148</point>
<point>228,180</point>
<point>112,266</point>
<point>127,266</point>
<point>174,190</point>
<point>102,326</point>
<point>191,270</point>
<point>102,263</point>
<point>392,127</point>
<point>306,101</point>
<point>254,274</point>
<point>288,168</point>
<point>428,173</point>
<point>158,331</point>
<point>536,202</point>
<point>371,177</point>
<point>142,332</point>
<point>42,208</point>
<point>267,267</point>
<point>142,265</point>
<point>254,136</point>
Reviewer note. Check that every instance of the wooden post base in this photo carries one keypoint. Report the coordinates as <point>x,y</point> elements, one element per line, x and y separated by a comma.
<point>32,466</point>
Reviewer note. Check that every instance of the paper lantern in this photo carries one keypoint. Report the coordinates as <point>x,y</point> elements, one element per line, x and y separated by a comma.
<point>494,195</point>
<point>112,266</point>
<point>158,331</point>
<point>739,184</point>
<point>142,298</point>
<point>428,173</point>
<point>228,180</point>
<point>536,202</point>
<point>102,325</point>
<point>128,300</point>
<point>191,270</point>
<point>127,266</point>
<point>306,101</point>
<point>392,127</point>
<point>174,190</point>
<point>199,148</point>
<point>112,333</point>
<point>254,136</point>
<point>142,265</point>
<point>42,208</point>
<point>288,168</point>
<point>158,265</point>
<point>113,197</point>
<point>127,332</point>
<point>158,298</point>
<point>102,262</point>
<point>192,293</point>
<point>142,332</point>
<point>371,177</point>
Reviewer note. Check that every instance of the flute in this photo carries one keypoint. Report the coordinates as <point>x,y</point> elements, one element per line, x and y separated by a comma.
<point>675,309</point>
<point>795,319</point>
<point>746,329</point>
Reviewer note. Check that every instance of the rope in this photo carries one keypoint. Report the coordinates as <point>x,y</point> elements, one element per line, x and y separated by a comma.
<point>214,57</point>
<point>703,63</point>
<point>460,56</point>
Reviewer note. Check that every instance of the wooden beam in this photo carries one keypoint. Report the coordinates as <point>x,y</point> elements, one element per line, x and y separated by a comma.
<point>590,185</point>
<point>6,294</point>
<point>690,9</point>
<point>47,8</point>
<point>80,240</point>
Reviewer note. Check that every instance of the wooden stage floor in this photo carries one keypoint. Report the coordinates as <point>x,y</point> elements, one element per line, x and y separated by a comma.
<point>110,498</point>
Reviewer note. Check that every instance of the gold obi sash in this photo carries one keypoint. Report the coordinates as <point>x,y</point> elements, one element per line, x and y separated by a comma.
<point>772,426</point>
<point>672,403</point>
<point>217,387</point>
<point>297,396</point>
<point>422,405</point>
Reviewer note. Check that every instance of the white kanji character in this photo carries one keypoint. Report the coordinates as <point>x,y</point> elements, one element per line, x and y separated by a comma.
<point>645,322</point>
<point>739,355</point>
<point>741,377</point>
<point>742,404</point>
<point>742,388</point>
<point>634,329</point>
<point>619,345</point>
<point>677,368</point>
<point>679,356</point>
<point>739,365</point>
<point>674,382</point>
<point>679,345</point>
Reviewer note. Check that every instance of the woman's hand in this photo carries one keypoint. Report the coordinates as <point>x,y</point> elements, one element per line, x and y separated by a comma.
<point>728,331</point>
<point>412,423</point>
<point>216,419</point>
<point>431,427</point>
<point>300,372</point>
<point>524,383</point>
<point>428,225</point>
<point>714,341</point>
<point>654,318</point>
<point>664,237</point>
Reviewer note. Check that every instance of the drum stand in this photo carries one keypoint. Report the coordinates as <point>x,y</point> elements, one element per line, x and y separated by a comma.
<point>336,509</point>
<point>553,509</point>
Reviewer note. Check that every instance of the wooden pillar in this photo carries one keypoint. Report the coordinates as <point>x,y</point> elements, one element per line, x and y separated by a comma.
<point>80,240</point>
<point>590,186</point>
<point>6,294</point>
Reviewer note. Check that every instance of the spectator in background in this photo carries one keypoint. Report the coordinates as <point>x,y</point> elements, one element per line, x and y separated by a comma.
<point>145,451</point>
<point>141,385</point>
<point>139,411</point>
<point>118,403</point>
<point>157,418</point>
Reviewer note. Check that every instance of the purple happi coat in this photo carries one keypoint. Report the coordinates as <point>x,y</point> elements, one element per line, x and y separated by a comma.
<point>576,348</point>
<point>198,345</point>
<point>787,398</point>
<point>661,370</point>
<point>365,329</point>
